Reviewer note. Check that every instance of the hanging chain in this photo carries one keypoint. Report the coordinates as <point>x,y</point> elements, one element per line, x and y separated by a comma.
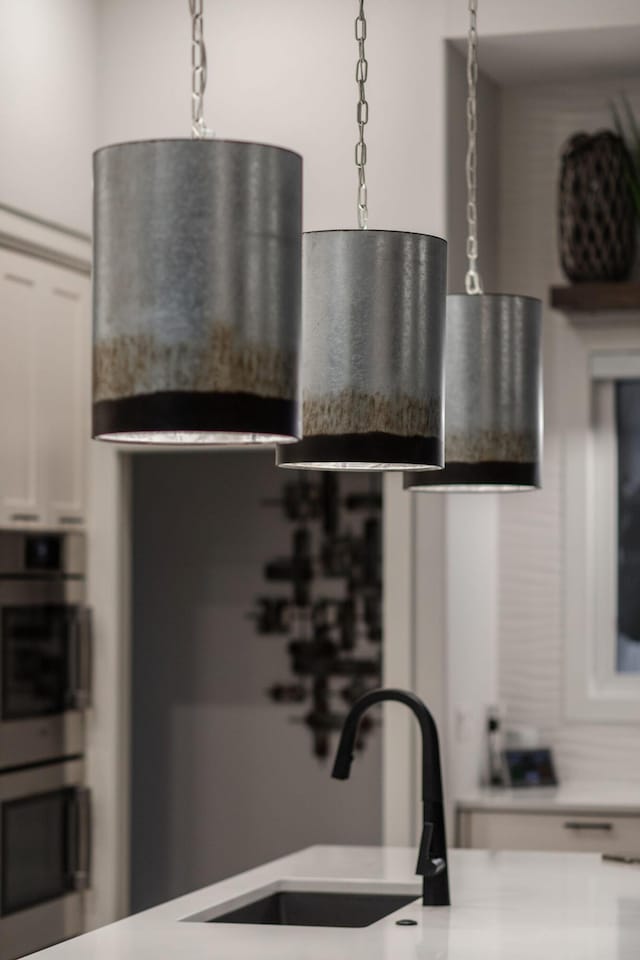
<point>472,281</point>
<point>362,115</point>
<point>199,129</point>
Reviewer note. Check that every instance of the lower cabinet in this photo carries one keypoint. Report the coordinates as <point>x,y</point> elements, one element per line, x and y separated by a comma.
<point>600,832</point>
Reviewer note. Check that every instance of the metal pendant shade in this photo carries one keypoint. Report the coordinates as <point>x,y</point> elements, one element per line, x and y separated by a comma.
<point>493,363</point>
<point>493,396</point>
<point>197,279</point>
<point>372,352</point>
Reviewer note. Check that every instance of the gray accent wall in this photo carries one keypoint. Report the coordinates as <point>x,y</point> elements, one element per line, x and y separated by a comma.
<point>222,779</point>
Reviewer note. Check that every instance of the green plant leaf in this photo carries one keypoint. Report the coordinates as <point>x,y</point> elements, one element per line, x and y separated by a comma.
<point>628,130</point>
<point>635,192</point>
<point>617,119</point>
<point>632,122</point>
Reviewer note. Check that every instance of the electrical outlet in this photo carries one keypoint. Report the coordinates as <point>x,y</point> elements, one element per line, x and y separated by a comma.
<point>462,724</point>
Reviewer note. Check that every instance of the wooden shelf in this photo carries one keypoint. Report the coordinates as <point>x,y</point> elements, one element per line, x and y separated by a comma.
<point>593,297</point>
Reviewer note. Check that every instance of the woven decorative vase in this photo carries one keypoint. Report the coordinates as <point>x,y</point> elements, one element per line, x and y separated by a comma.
<point>596,212</point>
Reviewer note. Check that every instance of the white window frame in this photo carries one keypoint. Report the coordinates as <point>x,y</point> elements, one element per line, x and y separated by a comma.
<point>594,691</point>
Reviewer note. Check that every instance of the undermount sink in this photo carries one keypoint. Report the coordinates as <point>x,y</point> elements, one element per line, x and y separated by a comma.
<point>309,908</point>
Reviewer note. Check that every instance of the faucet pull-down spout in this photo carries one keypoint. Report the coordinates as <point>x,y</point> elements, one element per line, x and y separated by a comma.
<point>432,855</point>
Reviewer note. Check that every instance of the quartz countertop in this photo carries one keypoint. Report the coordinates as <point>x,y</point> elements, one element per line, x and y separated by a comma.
<point>571,797</point>
<point>506,906</point>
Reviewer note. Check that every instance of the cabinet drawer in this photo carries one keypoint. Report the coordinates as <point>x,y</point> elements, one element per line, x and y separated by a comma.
<point>589,833</point>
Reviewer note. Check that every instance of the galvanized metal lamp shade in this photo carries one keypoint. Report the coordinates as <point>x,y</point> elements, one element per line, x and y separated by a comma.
<point>372,352</point>
<point>197,279</point>
<point>493,396</point>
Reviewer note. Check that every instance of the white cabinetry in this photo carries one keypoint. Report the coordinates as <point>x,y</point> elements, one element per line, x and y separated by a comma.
<point>20,488</point>
<point>44,391</point>
<point>601,817</point>
<point>63,365</point>
<point>600,832</point>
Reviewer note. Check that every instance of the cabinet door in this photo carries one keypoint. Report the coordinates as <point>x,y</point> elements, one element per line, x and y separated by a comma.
<point>593,833</point>
<point>20,486</point>
<point>62,363</point>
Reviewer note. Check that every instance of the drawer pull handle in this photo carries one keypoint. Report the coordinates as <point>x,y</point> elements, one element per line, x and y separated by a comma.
<point>588,825</point>
<point>71,519</point>
<point>26,517</point>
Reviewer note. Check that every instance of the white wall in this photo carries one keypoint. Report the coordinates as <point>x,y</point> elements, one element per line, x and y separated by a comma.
<point>488,147</point>
<point>108,729</point>
<point>536,122</point>
<point>471,572</point>
<point>47,108</point>
<point>284,72</point>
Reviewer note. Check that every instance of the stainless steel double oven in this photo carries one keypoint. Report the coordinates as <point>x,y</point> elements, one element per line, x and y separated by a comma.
<point>45,676</point>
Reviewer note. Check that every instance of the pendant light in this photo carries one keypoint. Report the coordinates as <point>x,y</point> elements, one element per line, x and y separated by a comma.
<point>197,276</point>
<point>372,338</point>
<point>492,365</point>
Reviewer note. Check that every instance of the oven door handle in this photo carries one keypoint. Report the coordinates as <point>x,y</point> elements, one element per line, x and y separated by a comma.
<point>79,839</point>
<point>80,660</point>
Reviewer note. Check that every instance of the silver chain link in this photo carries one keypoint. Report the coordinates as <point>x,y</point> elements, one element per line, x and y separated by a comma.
<point>362,115</point>
<point>199,129</point>
<point>472,280</point>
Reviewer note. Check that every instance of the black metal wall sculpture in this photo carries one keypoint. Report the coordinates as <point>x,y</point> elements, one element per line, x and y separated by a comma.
<point>332,613</point>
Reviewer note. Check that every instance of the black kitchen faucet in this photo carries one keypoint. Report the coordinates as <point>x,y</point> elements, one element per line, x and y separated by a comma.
<point>432,856</point>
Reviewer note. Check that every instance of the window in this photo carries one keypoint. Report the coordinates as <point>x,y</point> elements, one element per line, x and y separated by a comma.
<point>616,424</point>
<point>627,431</point>
<point>602,564</point>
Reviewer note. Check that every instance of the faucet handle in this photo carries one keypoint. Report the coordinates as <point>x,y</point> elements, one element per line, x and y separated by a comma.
<point>435,867</point>
<point>426,866</point>
<point>425,846</point>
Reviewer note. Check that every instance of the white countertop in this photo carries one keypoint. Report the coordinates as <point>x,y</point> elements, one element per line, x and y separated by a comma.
<point>577,797</point>
<point>506,906</point>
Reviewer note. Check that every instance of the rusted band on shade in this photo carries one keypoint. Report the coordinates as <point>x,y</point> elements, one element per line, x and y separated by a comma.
<point>492,446</point>
<point>354,412</point>
<point>219,361</point>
